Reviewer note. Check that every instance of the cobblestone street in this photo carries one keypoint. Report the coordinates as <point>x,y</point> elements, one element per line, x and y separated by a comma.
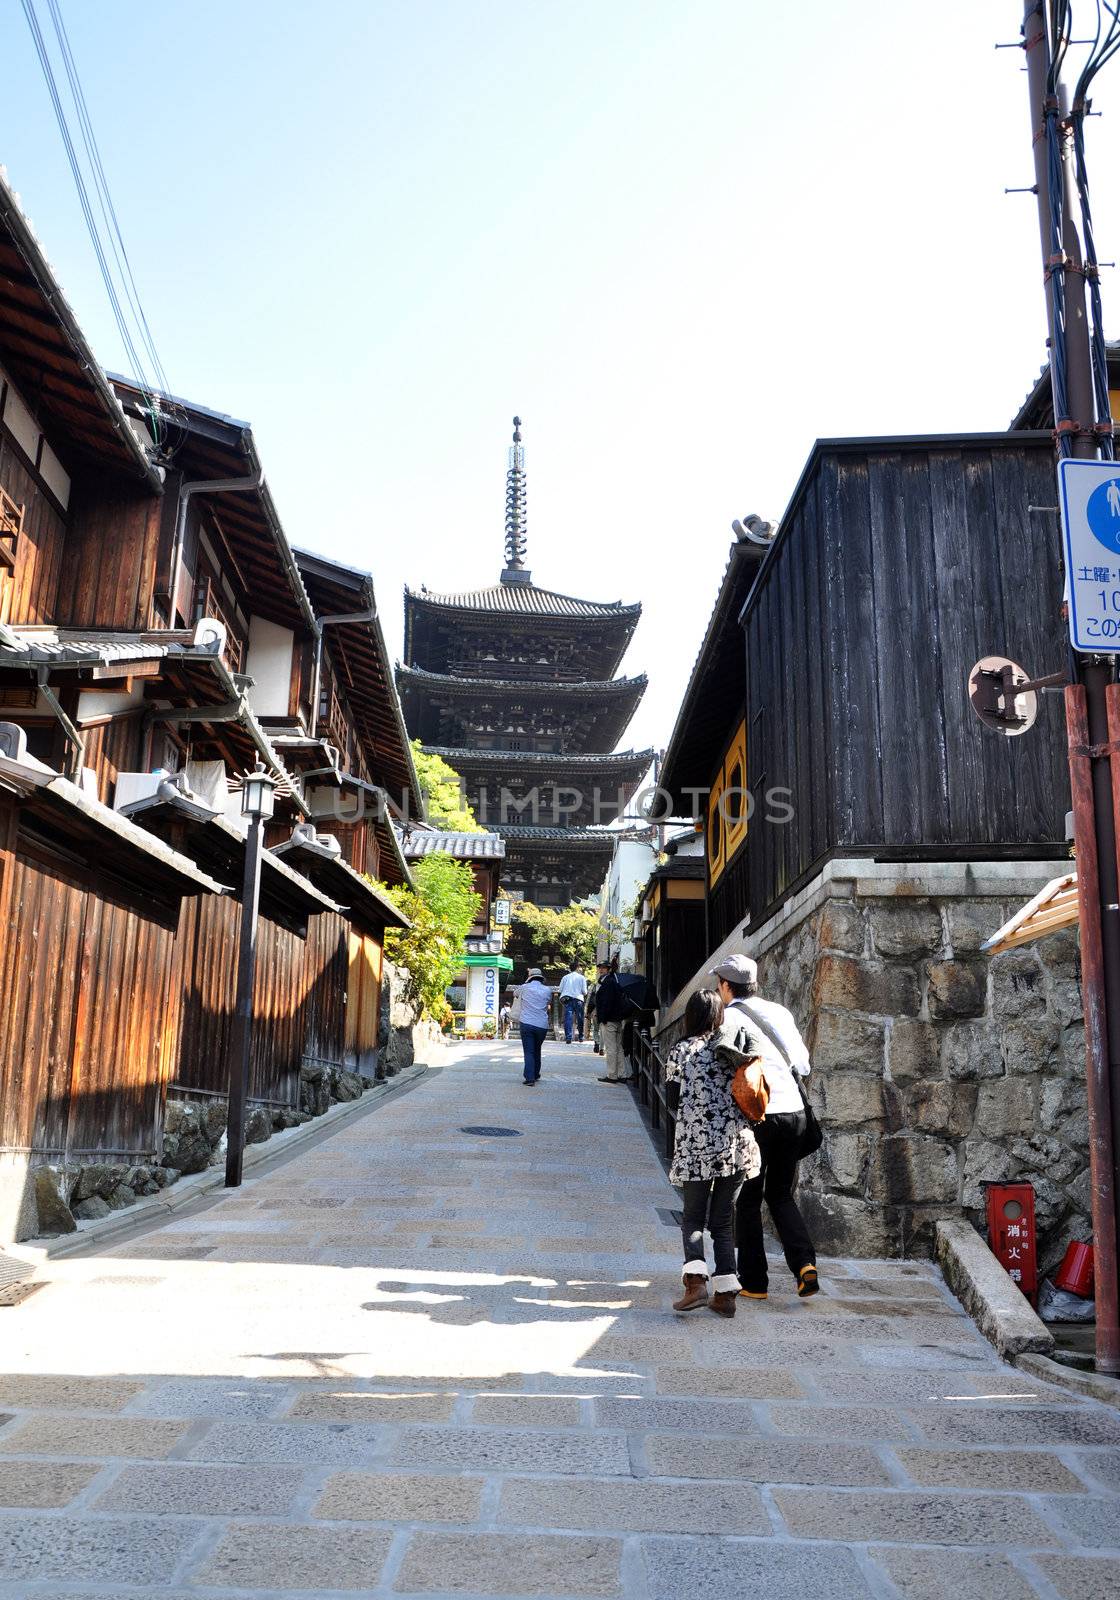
<point>414,1359</point>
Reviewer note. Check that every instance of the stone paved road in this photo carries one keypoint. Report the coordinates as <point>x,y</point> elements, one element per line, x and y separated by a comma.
<point>414,1361</point>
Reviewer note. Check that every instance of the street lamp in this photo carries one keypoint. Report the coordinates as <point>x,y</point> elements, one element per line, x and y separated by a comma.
<point>256,805</point>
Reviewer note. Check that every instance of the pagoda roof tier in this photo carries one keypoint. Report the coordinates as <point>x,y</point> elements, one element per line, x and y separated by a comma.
<point>524,600</point>
<point>560,637</point>
<point>446,709</point>
<point>577,840</point>
<point>634,762</point>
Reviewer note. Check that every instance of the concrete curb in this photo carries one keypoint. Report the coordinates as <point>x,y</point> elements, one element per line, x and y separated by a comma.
<point>1003,1315</point>
<point>153,1209</point>
<point>1093,1385</point>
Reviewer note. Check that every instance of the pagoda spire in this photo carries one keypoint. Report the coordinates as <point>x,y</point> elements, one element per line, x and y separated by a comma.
<point>515,570</point>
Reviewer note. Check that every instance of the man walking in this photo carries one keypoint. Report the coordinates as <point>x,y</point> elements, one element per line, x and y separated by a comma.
<point>751,1027</point>
<point>573,993</point>
<point>611,1011</point>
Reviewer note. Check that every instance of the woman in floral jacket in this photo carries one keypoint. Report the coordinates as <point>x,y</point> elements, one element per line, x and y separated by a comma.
<point>714,1154</point>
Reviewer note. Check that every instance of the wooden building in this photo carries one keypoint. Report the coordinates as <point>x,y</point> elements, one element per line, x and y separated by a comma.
<point>157,637</point>
<point>873,834</point>
<point>515,687</point>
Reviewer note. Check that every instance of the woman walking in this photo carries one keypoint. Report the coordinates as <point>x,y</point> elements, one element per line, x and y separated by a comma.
<point>713,1154</point>
<point>536,999</point>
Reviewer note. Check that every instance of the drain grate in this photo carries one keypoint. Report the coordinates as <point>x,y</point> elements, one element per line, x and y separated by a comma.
<point>671,1219</point>
<point>493,1133</point>
<point>13,1293</point>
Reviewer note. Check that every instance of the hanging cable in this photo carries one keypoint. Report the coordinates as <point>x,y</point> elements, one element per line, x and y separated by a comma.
<point>1104,46</point>
<point>153,389</point>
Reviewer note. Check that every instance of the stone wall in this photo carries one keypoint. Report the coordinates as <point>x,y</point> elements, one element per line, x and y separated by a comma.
<point>936,1068</point>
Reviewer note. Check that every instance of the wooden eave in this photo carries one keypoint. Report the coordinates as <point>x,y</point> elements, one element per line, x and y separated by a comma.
<point>360,901</point>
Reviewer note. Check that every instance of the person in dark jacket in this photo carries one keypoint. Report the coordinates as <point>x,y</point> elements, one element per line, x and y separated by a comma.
<point>611,1012</point>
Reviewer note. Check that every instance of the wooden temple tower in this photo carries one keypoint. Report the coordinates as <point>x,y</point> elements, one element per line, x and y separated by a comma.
<point>515,687</point>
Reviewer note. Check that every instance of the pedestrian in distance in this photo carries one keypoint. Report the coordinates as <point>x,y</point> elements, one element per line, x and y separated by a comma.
<point>714,1153</point>
<point>573,995</point>
<point>601,970</point>
<point>535,998</point>
<point>611,1012</point>
<point>785,1062</point>
<point>505,1017</point>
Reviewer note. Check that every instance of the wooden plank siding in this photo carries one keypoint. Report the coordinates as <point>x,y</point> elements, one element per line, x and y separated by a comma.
<point>900,564</point>
<point>85,973</point>
<point>363,1002</point>
<point>28,592</point>
<point>299,1000</point>
<point>111,550</point>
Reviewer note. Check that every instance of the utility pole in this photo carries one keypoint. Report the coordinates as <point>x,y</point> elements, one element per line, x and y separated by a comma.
<point>1093,698</point>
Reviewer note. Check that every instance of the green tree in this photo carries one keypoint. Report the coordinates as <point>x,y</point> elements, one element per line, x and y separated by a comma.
<point>443,793</point>
<point>544,936</point>
<point>441,908</point>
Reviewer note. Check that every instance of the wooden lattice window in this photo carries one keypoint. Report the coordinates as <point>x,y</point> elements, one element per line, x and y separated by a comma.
<point>11,526</point>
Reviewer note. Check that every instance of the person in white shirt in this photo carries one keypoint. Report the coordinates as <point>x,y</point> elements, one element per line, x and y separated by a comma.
<point>573,993</point>
<point>536,1001</point>
<point>779,1135</point>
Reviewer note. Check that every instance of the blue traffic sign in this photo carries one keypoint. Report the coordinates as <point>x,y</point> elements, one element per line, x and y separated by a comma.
<point>1089,499</point>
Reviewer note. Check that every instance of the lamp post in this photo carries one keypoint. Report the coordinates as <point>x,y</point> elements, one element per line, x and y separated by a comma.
<point>256,804</point>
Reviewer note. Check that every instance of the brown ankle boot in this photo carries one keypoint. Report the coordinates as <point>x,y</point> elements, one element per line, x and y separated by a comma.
<point>695,1294</point>
<point>723,1303</point>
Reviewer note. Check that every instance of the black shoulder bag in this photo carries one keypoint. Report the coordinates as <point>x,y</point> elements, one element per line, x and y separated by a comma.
<point>813,1137</point>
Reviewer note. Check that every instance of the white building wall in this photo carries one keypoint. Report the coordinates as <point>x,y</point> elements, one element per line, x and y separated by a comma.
<point>269,664</point>
<point>631,864</point>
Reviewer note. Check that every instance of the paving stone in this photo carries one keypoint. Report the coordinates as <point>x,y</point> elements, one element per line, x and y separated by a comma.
<point>1102,1465</point>
<point>527,1411</point>
<point>899,1388</point>
<point>319,1444</point>
<point>642,1507</point>
<point>103,1550</point>
<point>1076,1577</point>
<point>511,1450</point>
<point>1041,1425</point>
<point>42,1484</point>
<point>204,1491</point>
<point>33,1392</point>
<point>269,1555</point>
<point>350,1405</point>
<point>695,1416</point>
<point>732,1383</point>
<point>650,1352</point>
<point>203,1397</point>
<point>841,1422</point>
<point>682,1569</point>
<point>1087,1521</point>
<point>93,1436</point>
<point>399,1497</point>
<point>966,1575</point>
<point>1033,1471</point>
<point>504,1563</point>
<point>913,1518</point>
<point>764,1461</point>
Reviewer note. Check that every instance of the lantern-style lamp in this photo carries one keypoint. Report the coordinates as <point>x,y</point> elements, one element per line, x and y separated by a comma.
<point>257,794</point>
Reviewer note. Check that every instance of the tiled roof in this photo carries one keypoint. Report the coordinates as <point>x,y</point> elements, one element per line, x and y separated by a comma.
<point>636,760</point>
<point>522,599</point>
<point>75,645</point>
<point>577,838</point>
<point>597,687</point>
<point>463,846</point>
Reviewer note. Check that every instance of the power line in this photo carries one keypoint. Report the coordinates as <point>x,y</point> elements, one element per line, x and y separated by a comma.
<point>143,340</point>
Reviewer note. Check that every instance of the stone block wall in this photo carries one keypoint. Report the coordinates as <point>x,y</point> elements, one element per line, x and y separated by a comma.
<point>936,1068</point>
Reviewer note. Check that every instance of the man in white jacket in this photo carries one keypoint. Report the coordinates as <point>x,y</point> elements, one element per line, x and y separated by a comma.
<point>785,1060</point>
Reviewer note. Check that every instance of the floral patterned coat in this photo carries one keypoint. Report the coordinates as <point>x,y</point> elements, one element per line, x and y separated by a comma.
<point>713,1138</point>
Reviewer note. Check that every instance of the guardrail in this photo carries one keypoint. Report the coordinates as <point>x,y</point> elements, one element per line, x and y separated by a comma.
<point>653,1092</point>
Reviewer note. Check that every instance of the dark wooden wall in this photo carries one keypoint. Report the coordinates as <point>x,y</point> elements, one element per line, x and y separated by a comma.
<point>110,570</point>
<point>28,593</point>
<point>113,746</point>
<point>896,570</point>
<point>86,1028</point>
<point>299,1004</point>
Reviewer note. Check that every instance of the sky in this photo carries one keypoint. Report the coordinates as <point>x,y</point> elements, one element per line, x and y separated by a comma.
<point>681,239</point>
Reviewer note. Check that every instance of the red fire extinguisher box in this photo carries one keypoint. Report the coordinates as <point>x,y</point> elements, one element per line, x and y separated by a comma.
<point>1011,1233</point>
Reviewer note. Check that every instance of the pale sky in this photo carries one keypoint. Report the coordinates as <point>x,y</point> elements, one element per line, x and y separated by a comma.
<point>680,238</point>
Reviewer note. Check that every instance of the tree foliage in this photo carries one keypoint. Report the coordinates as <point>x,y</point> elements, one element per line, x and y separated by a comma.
<point>443,794</point>
<point>442,908</point>
<point>548,937</point>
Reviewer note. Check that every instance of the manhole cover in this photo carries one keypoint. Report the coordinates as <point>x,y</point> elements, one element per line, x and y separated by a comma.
<point>671,1219</point>
<point>493,1133</point>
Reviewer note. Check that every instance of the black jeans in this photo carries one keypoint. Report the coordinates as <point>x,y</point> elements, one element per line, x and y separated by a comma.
<point>531,1041</point>
<point>778,1139</point>
<point>711,1200</point>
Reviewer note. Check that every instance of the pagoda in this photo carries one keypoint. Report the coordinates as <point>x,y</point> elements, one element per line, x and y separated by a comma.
<point>515,687</point>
